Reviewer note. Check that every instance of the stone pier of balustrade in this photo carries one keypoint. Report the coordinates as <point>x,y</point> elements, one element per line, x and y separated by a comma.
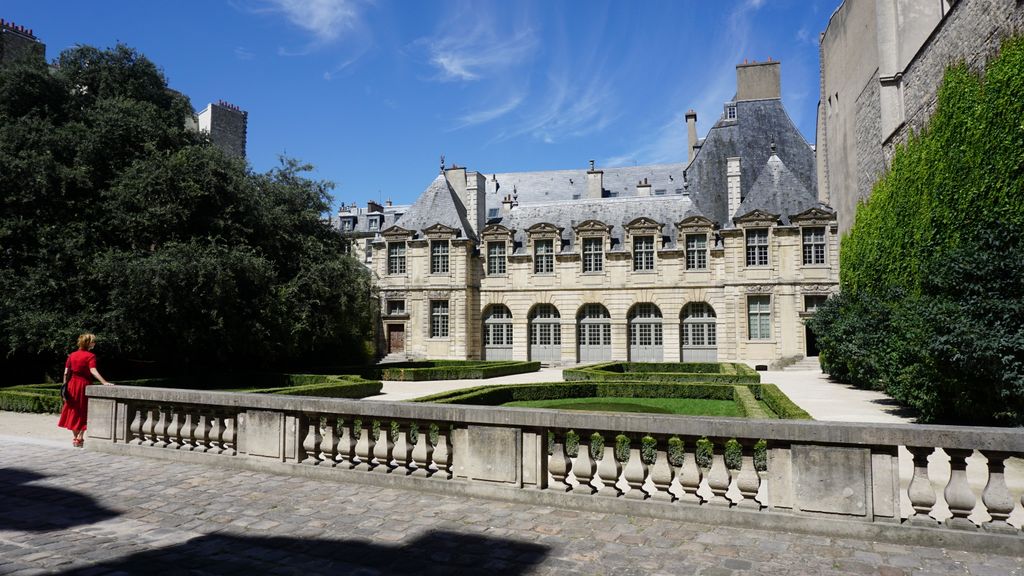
<point>838,479</point>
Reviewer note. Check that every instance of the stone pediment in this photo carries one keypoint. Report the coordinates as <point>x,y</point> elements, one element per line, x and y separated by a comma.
<point>497,232</point>
<point>592,227</point>
<point>396,232</point>
<point>813,216</point>
<point>440,231</point>
<point>644,224</point>
<point>695,224</point>
<point>544,229</point>
<point>757,218</point>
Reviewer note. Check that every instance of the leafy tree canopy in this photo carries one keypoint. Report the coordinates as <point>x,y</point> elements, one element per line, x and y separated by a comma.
<point>116,218</point>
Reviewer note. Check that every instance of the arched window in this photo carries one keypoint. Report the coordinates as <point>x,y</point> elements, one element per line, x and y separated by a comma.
<point>645,333</point>
<point>545,333</point>
<point>497,333</point>
<point>594,333</point>
<point>698,334</point>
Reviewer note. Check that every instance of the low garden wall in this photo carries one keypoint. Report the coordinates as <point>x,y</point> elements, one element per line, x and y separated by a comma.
<point>832,478</point>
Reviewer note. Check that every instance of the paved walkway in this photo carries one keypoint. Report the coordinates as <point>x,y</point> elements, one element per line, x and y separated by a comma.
<point>393,390</point>
<point>78,512</point>
<point>827,400</point>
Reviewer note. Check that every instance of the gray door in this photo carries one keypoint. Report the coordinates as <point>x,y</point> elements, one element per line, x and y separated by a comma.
<point>645,334</point>
<point>545,334</point>
<point>594,334</point>
<point>698,333</point>
<point>497,333</point>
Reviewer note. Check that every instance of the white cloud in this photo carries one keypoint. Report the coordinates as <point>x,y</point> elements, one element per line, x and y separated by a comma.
<point>243,53</point>
<point>326,20</point>
<point>571,110</point>
<point>471,56</point>
<point>489,114</point>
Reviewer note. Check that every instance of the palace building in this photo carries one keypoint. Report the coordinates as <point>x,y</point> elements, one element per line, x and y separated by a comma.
<point>719,258</point>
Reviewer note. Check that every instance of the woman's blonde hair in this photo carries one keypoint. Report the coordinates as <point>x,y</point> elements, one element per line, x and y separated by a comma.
<point>86,340</point>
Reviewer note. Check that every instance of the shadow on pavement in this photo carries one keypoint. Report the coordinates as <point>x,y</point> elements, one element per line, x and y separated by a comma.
<point>437,552</point>
<point>890,406</point>
<point>30,508</point>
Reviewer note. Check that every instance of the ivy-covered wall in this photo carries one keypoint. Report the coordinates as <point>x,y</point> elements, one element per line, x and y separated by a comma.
<point>932,272</point>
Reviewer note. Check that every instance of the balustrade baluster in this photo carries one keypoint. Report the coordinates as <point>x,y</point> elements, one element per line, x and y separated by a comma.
<point>634,474</point>
<point>174,430</point>
<point>149,427</point>
<point>328,440</point>
<point>217,428</point>
<point>160,439</point>
<point>996,496</point>
<point>135,428</point>
<point>689,479</point>
<point>311,441</point>
<point>660,476</point>
<point>230,435</point>
<point>188,431</point>
<point>747,481</point>
<point>381,447</point>
<point>202,435</point>
<point>398,453</point>
<point>958,493</point>
<point>419,456</point>
<point>441,456</point>
<point>920,492</point>
<point>583,469</point>
<point>718,480</point>
<point>363,446</point>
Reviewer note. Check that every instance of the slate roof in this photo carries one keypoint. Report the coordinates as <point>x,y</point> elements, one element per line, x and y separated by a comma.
<point>778,191</point>
<point>616,212</point>
<point>438,204</point>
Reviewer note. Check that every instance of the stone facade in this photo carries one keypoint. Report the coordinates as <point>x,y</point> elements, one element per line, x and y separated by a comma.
<point>226,125</point>
<point>882,62</point>
<point>17,41</point>
<point>722,258</point>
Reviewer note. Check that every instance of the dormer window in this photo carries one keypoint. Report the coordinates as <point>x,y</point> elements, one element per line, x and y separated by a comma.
<point>593,255</point>
<point>730,112</point>
<point>374,224</point>
<point>346,224</point>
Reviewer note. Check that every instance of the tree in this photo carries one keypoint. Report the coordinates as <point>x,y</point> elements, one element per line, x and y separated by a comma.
<point>115,218</point>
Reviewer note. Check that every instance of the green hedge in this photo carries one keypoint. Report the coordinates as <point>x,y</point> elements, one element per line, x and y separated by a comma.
<point>454,370</point>
<point>779,403</point>
<point>931,308</point>
<point>501,394</point>
<point>722,373</point>
<point>335,389</point>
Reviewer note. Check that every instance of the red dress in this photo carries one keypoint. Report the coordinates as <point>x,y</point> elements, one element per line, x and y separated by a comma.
<point>76,409</point>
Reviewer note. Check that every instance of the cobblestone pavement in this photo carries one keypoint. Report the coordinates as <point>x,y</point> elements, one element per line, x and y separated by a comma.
<point>79,512</point>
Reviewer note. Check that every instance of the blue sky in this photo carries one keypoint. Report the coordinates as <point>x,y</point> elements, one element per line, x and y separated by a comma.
<point>372,92</point>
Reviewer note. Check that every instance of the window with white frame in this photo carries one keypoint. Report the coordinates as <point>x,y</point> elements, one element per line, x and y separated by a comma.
<point>696,251</point>
<point>759,317</point>
<point>396,258</point>
<point>757,247</point>
<point>814,245</point>
<point>730,112</point>
<point>439,257</point>
<point>495,258</point>
<point>593,255</point>
<point>374,224</point>
<point>543,256</point>
<point>643,253</point>
<point>438,318</point>
<point>812,302</point>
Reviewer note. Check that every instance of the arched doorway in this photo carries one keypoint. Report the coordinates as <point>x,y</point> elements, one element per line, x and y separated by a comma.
<point>594,333</point>
<point>497,333</point>
<point>645,334</point>
<point>545,334</point>
<point>699,337</point>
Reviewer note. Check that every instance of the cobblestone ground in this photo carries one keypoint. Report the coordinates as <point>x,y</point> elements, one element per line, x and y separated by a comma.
<point>79,512</point>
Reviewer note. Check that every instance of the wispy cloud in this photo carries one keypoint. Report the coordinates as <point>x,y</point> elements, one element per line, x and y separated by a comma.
<point>325,20</point>
<point>243,53</point>
<point>489,114</point>
<point>481,51</point>
<point>570,110</point>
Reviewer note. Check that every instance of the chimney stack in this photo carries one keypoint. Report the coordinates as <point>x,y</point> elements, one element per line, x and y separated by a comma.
<point>732,177</point>
<point>476,201</point>
<point>758,80</point>
<point>643,188</point>
<point>372,206</point>
<point>691,133</point>
<point>595,182</point>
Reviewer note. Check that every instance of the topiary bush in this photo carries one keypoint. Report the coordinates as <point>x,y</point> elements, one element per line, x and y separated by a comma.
<point>676,452</point>
<point>621,451</point>
<point>597,446</point>
<point>648,450</point>
<point>704,452</point>
<point>733,454</point>
<point>572,444</point>
<point>761,455</point>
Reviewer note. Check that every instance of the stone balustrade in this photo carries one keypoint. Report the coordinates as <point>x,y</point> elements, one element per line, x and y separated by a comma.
<point>833,478</point>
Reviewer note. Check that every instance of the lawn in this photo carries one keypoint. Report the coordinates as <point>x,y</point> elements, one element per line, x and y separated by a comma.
<point>687,406</point>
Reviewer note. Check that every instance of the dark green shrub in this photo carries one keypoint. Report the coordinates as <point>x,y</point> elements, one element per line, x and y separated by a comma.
<point>414,433</point>
<point>357,428</point>
<point>449,370</point>
<point>704,453</point>
<point>375,430</point>
<point>597,446</point>
<point>676,452</point>
<point>761,455</point>
<point>781,404</point>
<point>733,454</point>
<point>621,451</point>
<point>664,372</point>
<point>572,444</point>
<point>648,450</point>
<point>551,442</point>
<point>434,434</point>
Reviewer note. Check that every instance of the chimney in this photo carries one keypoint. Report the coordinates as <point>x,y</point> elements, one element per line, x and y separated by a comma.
<point>372,206</point>
<point>476,205</point>
<point>643,188</point>
<point>595,182</point>
<point>388,203</point>
<point>691,132</point>
<point>457,180</point>
<point>506,205</point>
<point>732,177</point>
<point>758,80</point>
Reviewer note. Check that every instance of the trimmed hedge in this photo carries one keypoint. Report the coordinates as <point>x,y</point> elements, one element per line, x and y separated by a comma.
<point>721,373</point>
<point>501,394</point>
<point>45,398</point>
<point>454,370</point>
<point>779,403</point>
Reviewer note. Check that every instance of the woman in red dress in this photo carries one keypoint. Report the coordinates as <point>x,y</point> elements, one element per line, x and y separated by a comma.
<point>81,369</point>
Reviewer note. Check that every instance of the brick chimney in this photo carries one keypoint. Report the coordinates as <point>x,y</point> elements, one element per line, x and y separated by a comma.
<point>643,188</point>
<point>372,206</point>
<point>732,178</point>
<point>691,133</point>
